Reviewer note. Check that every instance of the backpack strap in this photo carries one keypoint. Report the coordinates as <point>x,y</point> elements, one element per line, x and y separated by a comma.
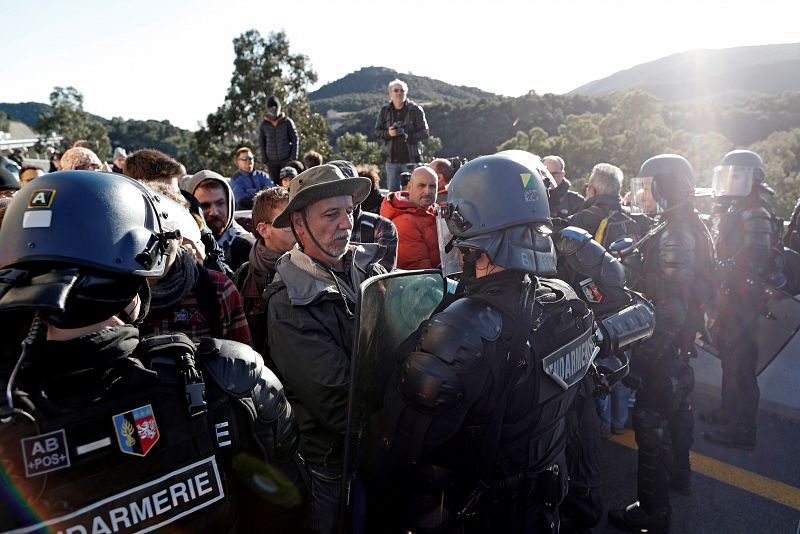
<point>207,301</point>
<point>176,351</point>
<point>600,234</point>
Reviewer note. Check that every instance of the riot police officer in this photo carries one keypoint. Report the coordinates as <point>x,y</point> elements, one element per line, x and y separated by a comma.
<point>101,430</point>
<point>472,432</point>
<point>678,259</point>
<point>748,249</point>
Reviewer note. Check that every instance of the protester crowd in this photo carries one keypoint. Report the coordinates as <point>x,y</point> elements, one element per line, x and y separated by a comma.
<point>273,258</point>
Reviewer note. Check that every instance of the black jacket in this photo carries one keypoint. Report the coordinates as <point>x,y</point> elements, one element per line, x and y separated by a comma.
<point>594,210</point>
<point>80,385</point>
<point>415,125</point>
<point>309,344</point>
<point>277,140</point>
<point>563,201</point>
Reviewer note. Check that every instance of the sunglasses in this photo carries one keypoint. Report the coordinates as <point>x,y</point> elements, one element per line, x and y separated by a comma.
<point>246,159</point>
<point>398,90</point>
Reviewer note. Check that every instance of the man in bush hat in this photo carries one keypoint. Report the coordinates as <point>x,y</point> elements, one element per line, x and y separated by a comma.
<point>310,320</point>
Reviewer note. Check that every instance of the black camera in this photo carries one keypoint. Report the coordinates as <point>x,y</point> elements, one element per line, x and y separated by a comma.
<point>399,126</point>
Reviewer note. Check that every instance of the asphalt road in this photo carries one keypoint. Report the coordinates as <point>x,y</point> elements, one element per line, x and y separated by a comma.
<point>734,491</point>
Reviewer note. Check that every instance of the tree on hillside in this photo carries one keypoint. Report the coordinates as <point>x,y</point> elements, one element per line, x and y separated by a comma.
<point>354,147</point>
<point>67,118</point>
<point>3,121</point>
<point>702,150</point>
<point>634,131</point>
<point>781,154</point>
<point>262,67</point>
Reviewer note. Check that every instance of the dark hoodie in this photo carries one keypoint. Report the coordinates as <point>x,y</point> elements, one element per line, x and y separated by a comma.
<point>235,240</point>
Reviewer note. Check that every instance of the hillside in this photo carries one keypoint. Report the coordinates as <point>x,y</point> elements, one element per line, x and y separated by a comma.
<point>366,88</point>
<point>727,75</point>
<point>25,112</point>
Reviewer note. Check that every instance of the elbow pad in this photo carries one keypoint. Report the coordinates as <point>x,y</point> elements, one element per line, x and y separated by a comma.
<point>239,371</point>
<point>626,327</point>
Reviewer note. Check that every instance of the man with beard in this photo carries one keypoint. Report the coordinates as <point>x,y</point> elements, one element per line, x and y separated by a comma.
<point>310,316</point>
<point>412,213</point>
<point>217,200</point>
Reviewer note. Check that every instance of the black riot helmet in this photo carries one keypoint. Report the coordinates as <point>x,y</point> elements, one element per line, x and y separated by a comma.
<point>736,173</point>
<point>78,246</point>
<point>672,179</point>
<point>498,204</point>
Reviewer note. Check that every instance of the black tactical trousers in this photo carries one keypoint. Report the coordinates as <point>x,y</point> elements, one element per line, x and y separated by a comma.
<point>664,426</point>
<point>739,352</point>
<point>582,508</point>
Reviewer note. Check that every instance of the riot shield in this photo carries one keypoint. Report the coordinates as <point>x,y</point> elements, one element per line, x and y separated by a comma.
<point>390,307</point>
<point>777,325</point>
<point>778,322</point>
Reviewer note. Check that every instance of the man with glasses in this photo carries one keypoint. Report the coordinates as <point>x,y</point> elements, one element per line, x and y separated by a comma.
<point>563,201</point>
<point>247,181</point>
<point>401,125</point>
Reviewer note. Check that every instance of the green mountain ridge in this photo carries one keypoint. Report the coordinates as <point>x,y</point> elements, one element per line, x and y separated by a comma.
<point>725,75</point>
<point>367,88</point>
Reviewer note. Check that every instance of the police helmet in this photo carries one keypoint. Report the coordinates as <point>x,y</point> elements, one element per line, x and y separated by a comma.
<point>672,179</point>
<point>78,246</point>
<point>498,204</point>
<point>736,173</point>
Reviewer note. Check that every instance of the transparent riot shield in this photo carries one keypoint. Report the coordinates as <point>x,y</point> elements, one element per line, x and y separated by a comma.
<point>778,322</point>
<point>389,309</point>
<point>777,325</point>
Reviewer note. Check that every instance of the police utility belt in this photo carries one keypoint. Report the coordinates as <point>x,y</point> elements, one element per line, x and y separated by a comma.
<point>137,460</point>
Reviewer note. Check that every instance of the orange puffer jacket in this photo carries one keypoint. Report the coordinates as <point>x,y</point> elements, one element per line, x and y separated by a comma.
<point>418,246</point>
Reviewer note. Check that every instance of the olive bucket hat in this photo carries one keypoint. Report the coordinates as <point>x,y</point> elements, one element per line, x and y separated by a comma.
<point>317,183</point>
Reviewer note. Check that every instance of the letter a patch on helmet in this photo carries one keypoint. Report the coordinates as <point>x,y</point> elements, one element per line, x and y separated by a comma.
<point>529,187</point>
<point>136,430</point>
<point>42,198</point>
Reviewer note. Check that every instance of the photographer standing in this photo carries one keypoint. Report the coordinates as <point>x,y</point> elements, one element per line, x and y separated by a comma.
<point>401,125</point>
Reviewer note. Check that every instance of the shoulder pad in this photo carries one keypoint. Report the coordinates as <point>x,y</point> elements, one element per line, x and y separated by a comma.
<point>456,335</point>
<point>240,371</point>
<point>429,383</point>
<point>586,256</point>
<point>571,239</point>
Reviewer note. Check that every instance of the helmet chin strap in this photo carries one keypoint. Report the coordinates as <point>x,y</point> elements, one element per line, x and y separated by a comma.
<point>311,235</point>
<point>470,258</point>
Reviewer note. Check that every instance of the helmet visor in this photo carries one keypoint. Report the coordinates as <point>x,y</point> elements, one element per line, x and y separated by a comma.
<point>448,252</point>
<point>641,196</point>
<point>732,180</point>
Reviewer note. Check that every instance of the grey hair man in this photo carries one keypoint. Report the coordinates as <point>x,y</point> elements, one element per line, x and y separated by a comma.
<point>602,214</point>
<point>310,321</point>
<point>401,125</point>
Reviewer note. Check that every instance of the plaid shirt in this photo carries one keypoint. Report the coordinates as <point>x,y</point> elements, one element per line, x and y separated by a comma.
<point>188,318</point>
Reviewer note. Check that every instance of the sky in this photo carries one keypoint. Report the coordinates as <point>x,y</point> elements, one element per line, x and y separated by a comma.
<point>173,60</point>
